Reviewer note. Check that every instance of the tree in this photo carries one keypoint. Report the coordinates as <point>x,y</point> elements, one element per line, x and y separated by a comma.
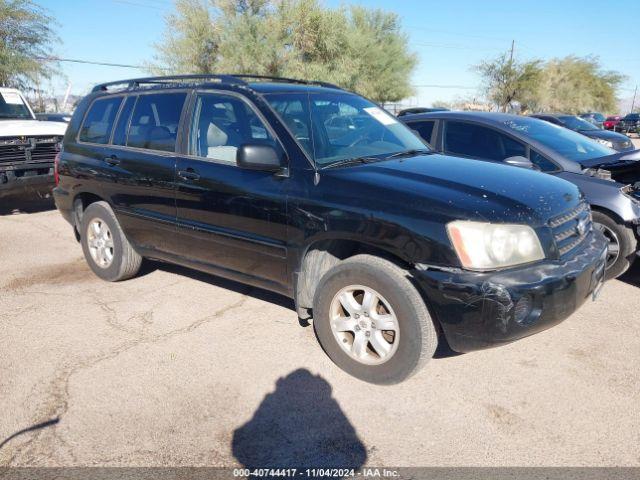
<point>575,85</point>
<point>26,37</point>
<point>507,81</point>
<point>357,48</point>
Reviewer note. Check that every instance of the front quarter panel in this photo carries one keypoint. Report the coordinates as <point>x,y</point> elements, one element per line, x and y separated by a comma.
<point>605,194</point>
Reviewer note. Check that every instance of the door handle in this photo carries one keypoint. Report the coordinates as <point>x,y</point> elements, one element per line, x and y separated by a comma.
<point>188,174</point>
<point>112,160</point>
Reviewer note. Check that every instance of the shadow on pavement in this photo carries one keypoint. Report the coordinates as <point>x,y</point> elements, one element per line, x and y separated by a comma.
<point>632,276</point>
<point>258,293</point>
<point>299,425</point>
<point>38,426</point>
<point>14,205</point>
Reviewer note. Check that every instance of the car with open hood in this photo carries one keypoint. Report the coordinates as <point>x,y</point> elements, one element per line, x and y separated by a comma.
<point>319,194</point>
<point>27,147</point>
<point>610,180</point>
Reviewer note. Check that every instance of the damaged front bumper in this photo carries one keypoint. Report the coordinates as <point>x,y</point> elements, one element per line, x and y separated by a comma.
<point>27,179</point>
<point>484,309</point>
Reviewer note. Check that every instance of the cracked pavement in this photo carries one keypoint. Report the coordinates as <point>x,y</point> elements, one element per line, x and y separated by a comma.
<point>178,368</point>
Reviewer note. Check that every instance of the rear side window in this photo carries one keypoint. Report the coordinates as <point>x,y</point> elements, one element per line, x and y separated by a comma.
<point>155,120</point>
<point>98,123</point>
<point>424,129</point>
<point>477,141</point>
<point>120,133</point>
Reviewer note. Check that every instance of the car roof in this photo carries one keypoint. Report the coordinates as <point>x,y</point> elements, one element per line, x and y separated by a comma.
<point>489,117</point>
<point>276,87</point>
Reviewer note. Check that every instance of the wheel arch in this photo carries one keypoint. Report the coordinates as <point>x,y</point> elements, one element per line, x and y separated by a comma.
<point>322,254</point>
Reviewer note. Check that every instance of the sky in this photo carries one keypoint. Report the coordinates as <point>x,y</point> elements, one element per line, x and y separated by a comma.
<point>449,37</point>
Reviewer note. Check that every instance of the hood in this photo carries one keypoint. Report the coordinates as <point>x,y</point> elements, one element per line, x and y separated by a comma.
<point>18,128</point>
<point>459,188</point>
<point>605,135</point>
<point>624,166</point>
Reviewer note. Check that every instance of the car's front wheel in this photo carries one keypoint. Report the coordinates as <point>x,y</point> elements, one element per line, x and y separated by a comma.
<point>372,321</point>
<point>621,250</point>
<point>105,247</point>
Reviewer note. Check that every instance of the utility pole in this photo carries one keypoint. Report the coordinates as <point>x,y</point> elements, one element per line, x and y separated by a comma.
<point>513,42</point>
<point>633,103</point>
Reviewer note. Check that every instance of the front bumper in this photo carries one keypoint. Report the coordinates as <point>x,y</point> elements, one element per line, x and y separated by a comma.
<point>479,310</point>
<point>36,180</point>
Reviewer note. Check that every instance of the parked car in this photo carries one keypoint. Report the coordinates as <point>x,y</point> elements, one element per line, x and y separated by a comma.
<point>54,117</point>
<point>614,140</point>
<point>384,241</point>
<point>415,110</point>
<point>27,147</point>
<point>611,122</point>
<point>609,180</point>
<point>595,118</point>
<point>630,123</point>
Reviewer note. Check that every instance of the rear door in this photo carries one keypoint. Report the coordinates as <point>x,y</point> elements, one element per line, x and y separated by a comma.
<point>231,218</point>
<point>141,178</point>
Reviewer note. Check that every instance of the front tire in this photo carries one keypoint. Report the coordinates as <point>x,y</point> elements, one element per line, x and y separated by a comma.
<point>105,247</point>
<point>622,244</point>
<point>371,320</point>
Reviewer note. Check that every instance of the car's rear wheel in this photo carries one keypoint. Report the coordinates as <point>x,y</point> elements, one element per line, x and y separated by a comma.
<point>105,247</point>
<point>621,250</point>
<point>372,321</point>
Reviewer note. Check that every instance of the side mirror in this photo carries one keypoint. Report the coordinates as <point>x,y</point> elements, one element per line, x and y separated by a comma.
<point>522,162</point>
<point>259,157</point>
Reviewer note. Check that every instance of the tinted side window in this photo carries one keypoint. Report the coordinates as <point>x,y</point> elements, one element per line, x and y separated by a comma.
<point>221,124</point>
<point>543,163</point>
<point>98,123</point>
<point>120,133</point>
<point>482,142</point>
<point>424,129</point>
<point>155,121</point>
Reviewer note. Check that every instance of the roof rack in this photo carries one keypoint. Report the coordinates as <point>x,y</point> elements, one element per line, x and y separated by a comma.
<point>135,83</point>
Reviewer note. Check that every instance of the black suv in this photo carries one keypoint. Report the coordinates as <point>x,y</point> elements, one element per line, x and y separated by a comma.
<point>630,123</point>
<point>388,245</point>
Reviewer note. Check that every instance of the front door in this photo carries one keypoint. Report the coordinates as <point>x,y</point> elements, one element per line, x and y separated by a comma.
<point>231,218</point>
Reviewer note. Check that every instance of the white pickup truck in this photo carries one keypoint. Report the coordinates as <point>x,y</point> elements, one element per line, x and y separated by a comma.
<point>27,147</point>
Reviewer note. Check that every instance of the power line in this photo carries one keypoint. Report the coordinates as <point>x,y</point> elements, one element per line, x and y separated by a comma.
<point>463,87</point>
<point>89,62</point>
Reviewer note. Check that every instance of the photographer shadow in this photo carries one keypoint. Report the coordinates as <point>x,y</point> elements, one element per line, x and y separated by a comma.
<point>299,425</point>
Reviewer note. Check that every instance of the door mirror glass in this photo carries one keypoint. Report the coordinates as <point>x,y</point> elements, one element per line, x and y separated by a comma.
<point>519,161</point>
<point>253,156</point>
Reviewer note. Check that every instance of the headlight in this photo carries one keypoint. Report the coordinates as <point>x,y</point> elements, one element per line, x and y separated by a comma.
<point>487,246</point>
<point>604,142</point>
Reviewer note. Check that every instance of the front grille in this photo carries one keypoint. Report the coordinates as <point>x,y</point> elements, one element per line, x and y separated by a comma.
<point>571,229</point>
<point>21,150</point>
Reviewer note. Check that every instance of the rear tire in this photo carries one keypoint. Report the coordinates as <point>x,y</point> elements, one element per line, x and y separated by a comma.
<point>105,247</point>
<point>621,239</point>
<point>386,334</point>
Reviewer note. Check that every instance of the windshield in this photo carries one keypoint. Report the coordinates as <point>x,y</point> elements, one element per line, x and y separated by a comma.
<point>567,143</point>
<point>332,127</point>
<point>12,106</point>
<point>577,123</point>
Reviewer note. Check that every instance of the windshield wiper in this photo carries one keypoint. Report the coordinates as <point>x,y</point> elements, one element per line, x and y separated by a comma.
<point>410,153</point>
<point>352,161</point>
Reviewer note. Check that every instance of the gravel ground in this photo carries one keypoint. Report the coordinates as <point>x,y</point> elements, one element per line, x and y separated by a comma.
<point>181,368</point>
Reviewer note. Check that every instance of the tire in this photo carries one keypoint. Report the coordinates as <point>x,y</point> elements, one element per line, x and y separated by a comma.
<point>409,349</point>
<point>617,233</point>
<point>119,260</point>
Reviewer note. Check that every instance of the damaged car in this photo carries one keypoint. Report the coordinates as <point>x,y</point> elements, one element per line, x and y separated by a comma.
<point>316,193</point>
<point>27,148</point>
<point>610,180</point>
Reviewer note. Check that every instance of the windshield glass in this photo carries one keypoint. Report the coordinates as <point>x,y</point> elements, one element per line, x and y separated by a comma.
<point>333,127</point>
<point>577,123</point>
<point>567,143</point>
<point>12,106</point>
